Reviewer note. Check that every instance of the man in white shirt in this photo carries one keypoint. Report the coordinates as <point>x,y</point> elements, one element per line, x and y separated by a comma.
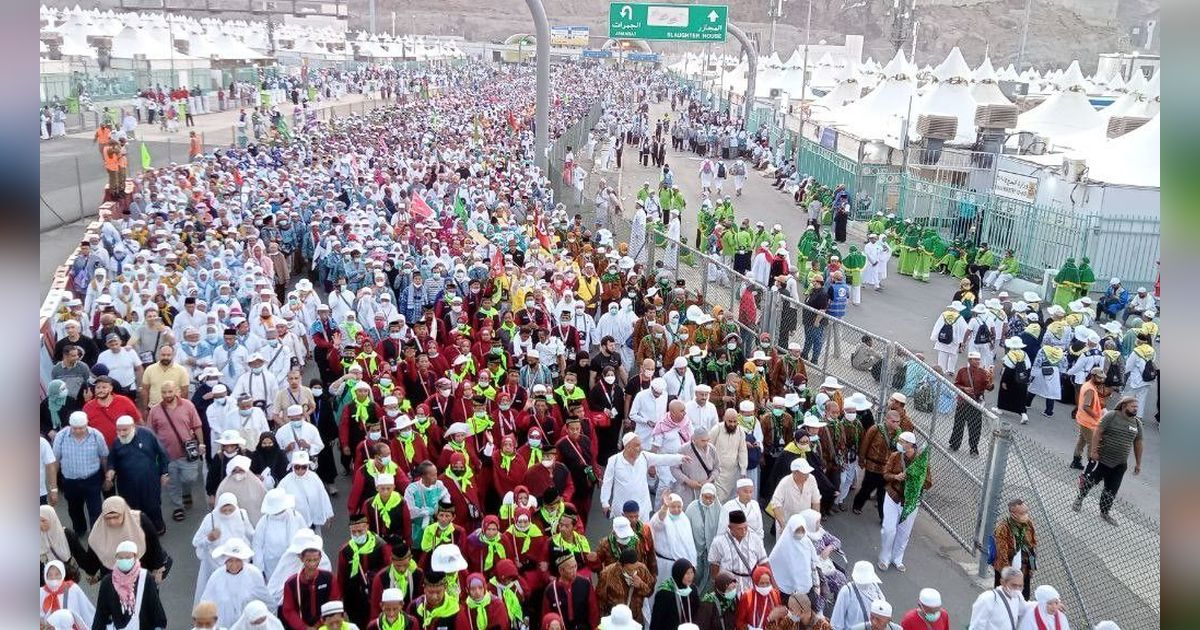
<point>278,357</point>
<point>47,470</point>
<point>700,411</point>
<point>680,382</point>
<point>795,493</point>
<point>1001,608</point>
<point>1138,305</point>
<point>743,500</point>
<point>260,386</point>
<point>124,365</point>
<point>737,550</point>
<point>222,415</point>
<point>648,406</point>
<point>297,434</point>
<point>627,474</point>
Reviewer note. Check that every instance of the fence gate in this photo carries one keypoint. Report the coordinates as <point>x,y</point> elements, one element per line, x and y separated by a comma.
<point>1124,246</point>
<point>828,167</point>
<point>1040,236</point>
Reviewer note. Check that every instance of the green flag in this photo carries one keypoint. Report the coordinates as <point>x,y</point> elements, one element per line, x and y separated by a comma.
<point>145,157</point>
<point>914,482</point>
<point>460,208</point>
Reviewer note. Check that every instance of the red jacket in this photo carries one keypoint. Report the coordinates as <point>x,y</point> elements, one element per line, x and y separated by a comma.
<point>104,419</point>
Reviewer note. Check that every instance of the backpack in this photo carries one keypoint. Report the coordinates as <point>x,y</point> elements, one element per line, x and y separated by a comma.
<point>946,334</point>
<point>991,549</point>
<point>923,397</point>
<point>1149,371</point>
<point>721,171</point>
<point>983,335</point>
<point>899,375</point>
<point>1115,376</point>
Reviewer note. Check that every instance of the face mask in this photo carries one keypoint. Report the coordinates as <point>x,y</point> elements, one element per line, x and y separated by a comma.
<point>568,386</point>
<point>814,438</point>
<point>763,590</point>
<point>777,412</point>
<point>444,392</point>
<point>932,617</point>
<point>53,584</point>
<point>125,565</point>
<point>610,379</point>
<point>647,373</point>
<point>624,540</point>
<point>731,346</point>
<point>850,415</point>
<point>385,382</point>
<point>684,592</point>
<point>374,435</point>
<point>397,336</point>
<point>386,460</point>
<point>256,370</point>
<point>358,540</point>
<point>522,525</point>
<point>535,443</point>
<point>548,463</point>
<point>899,448</point>
<point>731,593</point>
<point>675,517</point>
<point>245,413</point>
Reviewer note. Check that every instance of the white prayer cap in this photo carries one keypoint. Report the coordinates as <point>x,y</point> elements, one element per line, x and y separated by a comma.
<point>621,527</point>
<point>392,596</point>
<point>124,421</point>
<point>332,607</point>
<point>708,488</point>
<point>295,410</point>
<point>930,597</point>
<point>882,608</point>
<point>627,438</point>
<point>231,436</point>
<point>745,482</point>
<point>385,480</point>
<point>658,384</point>
<point>814,422</point>
<point>830,382</point>
<point>746,406</point>
<point>703,389</point>
<point>458,427</point>
<point>78,419</point>
<point>907,436</point>
<point>680,362</point>
<point>1114,281</point>
<point>974,355</point>
<point>391,400</point>
<point>447,558</point>
<point>361,384</point>
<point>127,546</point>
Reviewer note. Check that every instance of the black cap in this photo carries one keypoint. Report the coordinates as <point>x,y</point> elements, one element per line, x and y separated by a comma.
<point>445,506</point>
<point>629,556</point>
<point>550,495</point>
<point>630,506</point>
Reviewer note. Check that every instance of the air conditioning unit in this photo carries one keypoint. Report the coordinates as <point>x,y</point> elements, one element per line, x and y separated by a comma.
<point>776,92</point>
<point>1121,125</point>
<point>54,42</point>
<point>937,127</point>
<point>1073,168</point>
<point>996,116</point>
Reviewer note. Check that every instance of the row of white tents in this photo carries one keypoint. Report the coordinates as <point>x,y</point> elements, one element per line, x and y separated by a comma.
<point>1065,120</point>
<point>152,35</point>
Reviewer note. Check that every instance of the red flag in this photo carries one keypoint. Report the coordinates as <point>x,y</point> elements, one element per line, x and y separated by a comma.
<point>237,177</point>
<point>420,210</point>
<point>512,121</point>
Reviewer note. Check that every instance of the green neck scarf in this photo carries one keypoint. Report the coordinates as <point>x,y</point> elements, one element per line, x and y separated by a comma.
<point>384,508</point>
<point>358,551</point>
<point>914,482</point>
<point>400,579</point>
<point>435,535</point>
<point>508,595</point>
<point>448,608</point>
<point>525,537</point>
<point>462,481</point>
<point>407,443</point>
<point>398,624</point>
<point>480,609</point>
<point>495,547</point>
<point>506,460</point>
<point>553,516</point>
<point>535,456</point>
<point>361,409</point>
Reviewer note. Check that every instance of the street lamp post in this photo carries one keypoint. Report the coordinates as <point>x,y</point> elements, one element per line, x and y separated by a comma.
<point>1024,34</point>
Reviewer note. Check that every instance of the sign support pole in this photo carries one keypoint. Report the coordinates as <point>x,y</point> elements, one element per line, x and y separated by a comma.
<point>752,60</point>
<point>541,137</point>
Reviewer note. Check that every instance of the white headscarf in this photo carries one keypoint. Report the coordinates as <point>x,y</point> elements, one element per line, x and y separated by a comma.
<point>793,559</point>
<point>1043,595</point>
<point>235,525</point>
<point>254,611</point>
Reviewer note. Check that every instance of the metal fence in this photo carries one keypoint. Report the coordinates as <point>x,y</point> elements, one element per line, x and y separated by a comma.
<point>575,138</point>
<point>950,191</point>
<point>1099,576</point>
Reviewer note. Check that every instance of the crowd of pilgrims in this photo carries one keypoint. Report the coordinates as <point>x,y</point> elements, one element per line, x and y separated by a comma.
<point>398,295</point>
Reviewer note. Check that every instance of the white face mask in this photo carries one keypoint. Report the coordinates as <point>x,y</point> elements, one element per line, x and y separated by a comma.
<point>53,584</point>
<point>610,379</point>
<point>763,590</point>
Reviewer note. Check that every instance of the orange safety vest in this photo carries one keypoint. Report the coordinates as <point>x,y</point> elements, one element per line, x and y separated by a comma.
<point>1089,417</point>
<point>102,136</point>
<point>112,159</point>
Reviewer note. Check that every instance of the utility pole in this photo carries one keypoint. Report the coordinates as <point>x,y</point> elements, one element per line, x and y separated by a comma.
<point>371,14</point>
<point>775,12</point>
<point>804,72</point>
<point>271,34</point>
<point>901,13</point>
<point>1024,35</point>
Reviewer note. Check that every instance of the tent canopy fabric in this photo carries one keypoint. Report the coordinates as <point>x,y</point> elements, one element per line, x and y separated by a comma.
<point>1130,160</point>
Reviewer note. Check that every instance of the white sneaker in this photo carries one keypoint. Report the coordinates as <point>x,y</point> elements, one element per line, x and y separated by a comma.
<point>1024,418</point>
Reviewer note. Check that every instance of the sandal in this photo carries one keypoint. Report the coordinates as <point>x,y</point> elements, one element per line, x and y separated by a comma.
<point>179,515</point>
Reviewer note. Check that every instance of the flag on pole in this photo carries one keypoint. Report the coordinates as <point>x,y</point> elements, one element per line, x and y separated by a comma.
<point>237,177</point>
<point>512,121</point>
<point>420,210</point>
<point>460,209</point>
<point>145,157</point>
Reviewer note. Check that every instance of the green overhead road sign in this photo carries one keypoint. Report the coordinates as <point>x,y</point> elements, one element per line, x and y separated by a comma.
<point>669,22</point>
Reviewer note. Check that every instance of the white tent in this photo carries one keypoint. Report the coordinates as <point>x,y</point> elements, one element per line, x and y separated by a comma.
<point>950,96</point>
<point>1064,112</point>
<point>878,115</point>
<point>825,74</point>
<point>984,86</point>
<point>1131,160</point>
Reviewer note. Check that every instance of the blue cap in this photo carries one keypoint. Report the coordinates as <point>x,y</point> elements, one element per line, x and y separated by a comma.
<point>630,506</point>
